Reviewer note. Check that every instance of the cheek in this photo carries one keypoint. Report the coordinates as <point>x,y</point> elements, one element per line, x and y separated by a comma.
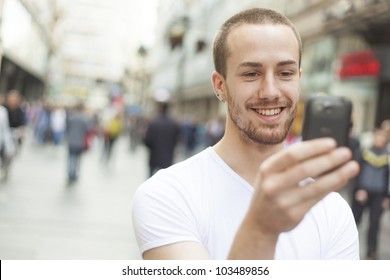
<point>243,92</point>
<point>292,90</point>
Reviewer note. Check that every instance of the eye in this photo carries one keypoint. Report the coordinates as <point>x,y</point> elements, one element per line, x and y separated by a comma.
<point>250,74</point>
<point>287,74</point>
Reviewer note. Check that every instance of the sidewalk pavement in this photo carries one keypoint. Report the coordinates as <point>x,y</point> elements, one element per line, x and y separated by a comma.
<point>43,218</point>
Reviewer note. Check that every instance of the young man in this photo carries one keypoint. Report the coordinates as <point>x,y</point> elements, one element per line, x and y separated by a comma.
<point>247,197</point>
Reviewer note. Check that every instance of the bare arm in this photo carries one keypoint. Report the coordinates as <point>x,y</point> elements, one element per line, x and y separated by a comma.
<point>178,251</point>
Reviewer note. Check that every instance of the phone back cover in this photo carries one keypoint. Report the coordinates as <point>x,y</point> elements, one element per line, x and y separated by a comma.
<point>327,116</point>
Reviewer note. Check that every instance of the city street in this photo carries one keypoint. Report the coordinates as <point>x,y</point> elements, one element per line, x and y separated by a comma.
<point>43,218</point>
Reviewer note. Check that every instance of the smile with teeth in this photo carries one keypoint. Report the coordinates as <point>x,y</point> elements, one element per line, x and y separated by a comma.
<point>269,112</point>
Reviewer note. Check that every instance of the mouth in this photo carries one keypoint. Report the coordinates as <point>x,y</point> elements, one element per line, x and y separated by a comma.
<point>269,112</point>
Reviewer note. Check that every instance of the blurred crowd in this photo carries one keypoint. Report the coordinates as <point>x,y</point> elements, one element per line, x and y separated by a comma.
<point>77,126</point>
<point>168,140</point>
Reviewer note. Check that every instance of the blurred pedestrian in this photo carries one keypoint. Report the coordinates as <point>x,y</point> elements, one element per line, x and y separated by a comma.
<point>161,137</point>
<point>137,128</point>
<point>16,116</point>
<point>215,129</point>
<point>354,145</point>
<point>7,147</point>
<point>42,123</point>
<point>77,127</point>
<point>385,125</point>
<point>188,136</point>
<point>111,132</point>
<point>57,124</point>
<point>373,189</point>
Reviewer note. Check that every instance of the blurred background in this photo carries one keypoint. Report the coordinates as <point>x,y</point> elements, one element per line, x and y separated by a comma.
<point>119,57</point>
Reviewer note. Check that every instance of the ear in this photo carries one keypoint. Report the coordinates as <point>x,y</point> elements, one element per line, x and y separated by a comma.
<point>218,84</point>
<point>300,73</point>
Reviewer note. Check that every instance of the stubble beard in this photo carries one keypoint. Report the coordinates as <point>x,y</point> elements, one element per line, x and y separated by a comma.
<point>264,135</point>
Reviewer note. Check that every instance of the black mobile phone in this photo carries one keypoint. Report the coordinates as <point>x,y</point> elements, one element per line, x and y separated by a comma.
<point>327,116</point>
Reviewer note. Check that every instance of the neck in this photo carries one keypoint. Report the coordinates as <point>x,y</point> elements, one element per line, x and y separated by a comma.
<point>245,157</point>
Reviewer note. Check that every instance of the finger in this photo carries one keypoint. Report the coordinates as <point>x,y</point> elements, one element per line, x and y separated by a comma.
<point>325,184</point>
<point>312,192</point>
<point>297,153</point>
<point>314,167</point>
<point>294,203</point>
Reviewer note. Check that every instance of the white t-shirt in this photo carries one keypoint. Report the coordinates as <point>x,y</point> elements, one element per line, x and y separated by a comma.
<point>202,199</point>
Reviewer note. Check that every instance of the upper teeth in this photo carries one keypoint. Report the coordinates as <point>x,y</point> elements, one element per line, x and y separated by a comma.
<point>270,112</point>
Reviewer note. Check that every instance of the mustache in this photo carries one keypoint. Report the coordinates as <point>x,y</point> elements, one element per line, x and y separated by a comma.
<point>271,103</point>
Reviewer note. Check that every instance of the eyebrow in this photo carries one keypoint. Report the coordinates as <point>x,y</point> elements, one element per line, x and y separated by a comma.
<point>287,62</point>
<point>259,65</point>
<point>250,64</point>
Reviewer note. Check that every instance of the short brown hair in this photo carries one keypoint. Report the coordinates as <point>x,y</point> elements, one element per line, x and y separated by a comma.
<point>251,16</point>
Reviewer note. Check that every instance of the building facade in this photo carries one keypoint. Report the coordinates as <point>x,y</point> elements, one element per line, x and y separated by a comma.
<point>68,50</point>
<point>24,47</point>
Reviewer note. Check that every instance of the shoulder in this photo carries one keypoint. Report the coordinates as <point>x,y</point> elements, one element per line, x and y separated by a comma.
<point>333,205</point>
<point>337,217</point>
<point>180,186</point>
<point>179,177</point>
<point>332,216</point>
<point>336,228</point>
<point>328,231</point>
<point>166,206</point>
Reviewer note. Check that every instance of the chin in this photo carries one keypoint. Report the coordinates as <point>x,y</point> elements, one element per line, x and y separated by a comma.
<point>270,141</point>
<point>272,138</point>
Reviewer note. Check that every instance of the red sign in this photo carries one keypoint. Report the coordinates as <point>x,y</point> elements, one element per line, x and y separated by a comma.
<point>358,64</point>
<point>117,100</point>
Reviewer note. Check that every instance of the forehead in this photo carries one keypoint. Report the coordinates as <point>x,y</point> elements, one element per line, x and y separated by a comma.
<point>13,96</point>
<point>262,42</point>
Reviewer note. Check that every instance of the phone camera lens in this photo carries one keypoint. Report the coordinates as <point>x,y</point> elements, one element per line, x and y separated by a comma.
<point>328,110</point>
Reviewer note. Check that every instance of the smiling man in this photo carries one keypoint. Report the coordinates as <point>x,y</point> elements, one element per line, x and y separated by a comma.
<point>247,197</point>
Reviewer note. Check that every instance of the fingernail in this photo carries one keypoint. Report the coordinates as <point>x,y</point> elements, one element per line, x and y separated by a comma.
<point>353,167</point>
<point>343,153</point>
<point>330,142</point>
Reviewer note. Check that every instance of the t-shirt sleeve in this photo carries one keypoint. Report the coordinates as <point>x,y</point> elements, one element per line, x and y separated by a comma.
<point>162,214</point>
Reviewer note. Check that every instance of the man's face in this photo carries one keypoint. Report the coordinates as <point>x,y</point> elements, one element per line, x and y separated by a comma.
<point>13,101</point>
<point>262,81</point>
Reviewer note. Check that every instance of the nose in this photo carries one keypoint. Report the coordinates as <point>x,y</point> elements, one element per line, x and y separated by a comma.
<point>269,88</point>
